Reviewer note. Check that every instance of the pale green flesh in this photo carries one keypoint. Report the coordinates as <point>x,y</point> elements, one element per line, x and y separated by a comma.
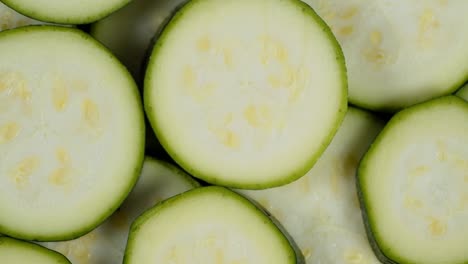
<point>321,210</point>
<point>20,252</point>
<point>249,92</point>
<point>129,31</point>
<point>414,184</point>
<point>66,12</point>
<point>208,225</point>
<point>399,53</point>
<point>63,143</point>
<point>106,244</point>
<point>463,92</point>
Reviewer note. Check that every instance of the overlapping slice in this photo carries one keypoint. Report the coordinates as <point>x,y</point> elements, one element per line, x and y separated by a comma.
<point>208,225</point>
<point>14,251</point>
<point>66,12</point>
<point>246,93</point>
<point>129,31</point>
<point>106,244</point>
<point>413,185</point>
<point>401,52</point>
<point>321,210</point>
<point>71,133</point>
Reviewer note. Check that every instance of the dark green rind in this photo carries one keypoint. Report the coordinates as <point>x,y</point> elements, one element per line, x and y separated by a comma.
<point>381,250</point>
<point>223,194</point>
<point>463,92</point>
<point>60,259</point>
<point>62,20</point>
<point>212,179</point>
<point>140,141</point>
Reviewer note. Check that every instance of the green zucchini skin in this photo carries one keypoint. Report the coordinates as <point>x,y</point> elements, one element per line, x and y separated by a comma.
<point>28,248</point>
<point>463,92</point>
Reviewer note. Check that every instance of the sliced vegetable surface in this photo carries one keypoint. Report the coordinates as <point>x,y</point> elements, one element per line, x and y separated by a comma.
<point>321,210</point>
<point>14,251</point>
<point>260,85</point>
<point>207,225</point>
<point>413,185</point>
<point>463,92</point>
<point>71,133</point>
<point>129,31</point>
<point>399,53</point>
<point>159,180</point>
<point>9,18</point>
<point>66,12</point>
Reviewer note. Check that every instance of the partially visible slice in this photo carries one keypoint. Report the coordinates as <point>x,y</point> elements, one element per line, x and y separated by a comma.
<point>66,12</point>
<point>159,180</point>
<point>463,92</point>
<point>71,133</point>
<point>413,184</point>
<point>399,52</point>
<point>321,210</point>
<point>129,31</point>
<point>9,18</point>
<point>14,251</point>
<point>208,225</point>
<point>260,84</point>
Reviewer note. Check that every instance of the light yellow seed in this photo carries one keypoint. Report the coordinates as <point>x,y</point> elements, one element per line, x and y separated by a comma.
<point>349,13</point>
<point>307,253</point>
<point>58,177</point>
<point>346,31</point>
<point>90,113</point>
<point>274,81</point>
<point>419,171</point>
<point>354,257</point>
<point>413,203</point>
<point>204,44</point>
<point>22,92</point>
<point>219,256</point>
<point>24,170</point>
<point>437,227</point>
<point>228,57</point>
<point>59,94</point>
<point>441,151</point>
<point>376,56</point>
<point>8,132</point>
<point>281,54</point>
<point>231,140</point>
<point>376,38</point>
<point>304,184</point>
<point>62,156</point>
<point>189,77</point>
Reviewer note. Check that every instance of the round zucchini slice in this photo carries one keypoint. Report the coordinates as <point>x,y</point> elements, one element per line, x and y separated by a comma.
<point>260,84</point>
<point>463,92</point>
<point>129,31</point>
<point>66,12</point>
<point>71,133</point>
<point>159,180</point>
<point>321,210</point>
<point>207,225</point>
<point>398,52</point>
<point>14,251</point>
<point>413,184</point>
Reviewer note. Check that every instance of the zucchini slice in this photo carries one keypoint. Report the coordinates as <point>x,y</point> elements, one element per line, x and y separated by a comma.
<point>463,92</point>
<point>413,184</point>
<point>159,180</point>
<point>66,12</point>
<point>207,225</point>
<point>9,18</point>
<point>129,31</point>
<point>399,52</point>
<point>250,80</point>
<point>14,251</point>
<point>326,223</point>
<point>71,133</point>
